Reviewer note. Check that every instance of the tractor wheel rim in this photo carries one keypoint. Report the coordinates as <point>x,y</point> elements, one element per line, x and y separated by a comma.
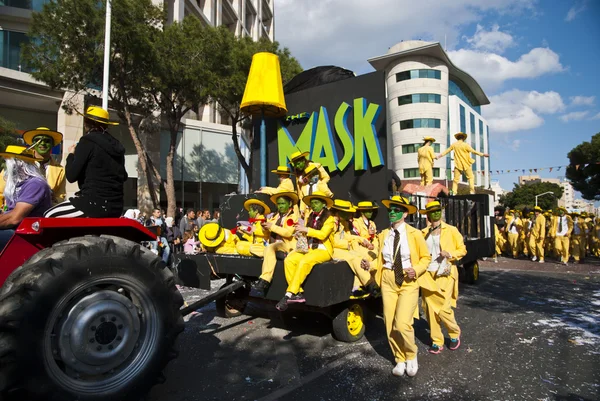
<point>355,319</point>
<point>71,358</point>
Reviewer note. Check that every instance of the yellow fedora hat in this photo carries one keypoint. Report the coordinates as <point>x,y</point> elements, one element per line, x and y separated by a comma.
<point>98,114</point>
<point>562,208</point>
<point>460,135</point>
<point>343,205</point>
<point>20,152</point>
<point>298,155</point>
<point>432,206</point>
<point>538,209</point>
<point>29,135</point>
<point>258,202</point>
<point>292,195</point>
<point>400,201</point>
<point>366,205</point>
<point>428,139</point>
<point>318,195</point>
<point>211,235</point>
<point>282,170</point>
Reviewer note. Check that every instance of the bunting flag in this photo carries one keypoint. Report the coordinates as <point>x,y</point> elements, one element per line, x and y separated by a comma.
<point>536,170</point>
<point>550,169</point>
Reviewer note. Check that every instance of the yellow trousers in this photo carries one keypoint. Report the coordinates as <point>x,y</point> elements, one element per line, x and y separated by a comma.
<point>361,276</point>
<point>270,259</point>
<point>399,304</point>
<point>578,244</point>
<point>299,265</point>
<point>427,177</point>
<point>439,309</point>
<point>561,245</point>
<point>513,241</point>
<point>246,248</point>
<point>458,174</point>
<point>530,243</point>
<point>539,247</point>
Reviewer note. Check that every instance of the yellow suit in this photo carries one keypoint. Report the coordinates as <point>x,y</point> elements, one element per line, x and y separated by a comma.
<point>282,239</point>
<point>400,302</point>
<point>343,244</point>
<point>561,242</point>
<point>578,240</point>
<point>254,244</point>
<point>360,227</point>
<point>462,163</point>
<point>298,265</point>
<point>304,189</point>
<point>440,293</point>
<point>55,176</point>
<point>513,238</point>
<point>227,247</point>
<point>425,157</point>
<point>286,185</point>
<point>538,233</point>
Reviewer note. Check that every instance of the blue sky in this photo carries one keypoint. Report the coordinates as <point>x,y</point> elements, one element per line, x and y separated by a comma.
<point>537,60</point>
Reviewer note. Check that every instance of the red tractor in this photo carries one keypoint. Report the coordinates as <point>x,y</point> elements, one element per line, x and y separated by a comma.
<point>86,312</point>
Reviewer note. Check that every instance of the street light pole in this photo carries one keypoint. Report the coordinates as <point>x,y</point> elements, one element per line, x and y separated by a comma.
<point>545,193</point>
<point>105,87</point>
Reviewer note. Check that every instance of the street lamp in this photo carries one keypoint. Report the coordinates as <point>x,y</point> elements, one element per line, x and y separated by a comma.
<point>545,193</point>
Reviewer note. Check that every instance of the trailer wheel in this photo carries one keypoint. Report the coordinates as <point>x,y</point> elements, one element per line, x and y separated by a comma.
<point>349,323</point>
<point>472,272</point>
<point>233,304</point>
<point>91,318</point>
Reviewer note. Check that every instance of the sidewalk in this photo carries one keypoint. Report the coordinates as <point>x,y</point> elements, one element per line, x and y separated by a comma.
<point>591,265</point>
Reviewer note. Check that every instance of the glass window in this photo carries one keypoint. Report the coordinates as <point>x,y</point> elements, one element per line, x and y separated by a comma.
<point>415,74</point>
<point>411,173</point>
<point>462,92</point>
<point>419,98</point>
<point>436,171</point>
<point>462,119</point>
<point>35,5</point>
<point>487,135</point>
<point>420,123</point>
<point>406,99</point>
<point>481,147</point>
<point>414,147</point>
<point>10,54</point>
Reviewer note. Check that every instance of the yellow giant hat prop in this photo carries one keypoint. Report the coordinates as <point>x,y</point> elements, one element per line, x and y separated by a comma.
<point>460,135</point>
<point>292,195</point>
<point>20,152</point>
<point>400,201</point>
<point>318,195</point>
<point>29,135</point>
<point>367,205</point>
<point>211,235</point>
<point>343,205</point>
<point>264,90</point>
<point>432,206</point>
<point>258,202</point>
<point>98,114</point>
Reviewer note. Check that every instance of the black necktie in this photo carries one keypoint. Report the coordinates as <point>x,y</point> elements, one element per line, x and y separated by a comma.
<point>560,225</point>
<point>398,270</point>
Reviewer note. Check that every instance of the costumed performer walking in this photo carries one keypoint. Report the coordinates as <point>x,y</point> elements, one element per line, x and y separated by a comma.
<point>425,157</point>
<point>462,161</point>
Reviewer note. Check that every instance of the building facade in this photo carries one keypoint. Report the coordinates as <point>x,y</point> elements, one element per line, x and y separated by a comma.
<point>30,104</point>
<point>429,96</point>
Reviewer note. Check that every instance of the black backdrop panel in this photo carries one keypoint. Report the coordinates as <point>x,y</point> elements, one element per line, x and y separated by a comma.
<point>322,120</point>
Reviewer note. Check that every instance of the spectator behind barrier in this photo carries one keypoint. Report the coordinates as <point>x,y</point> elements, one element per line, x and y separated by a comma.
<point>27,193</point>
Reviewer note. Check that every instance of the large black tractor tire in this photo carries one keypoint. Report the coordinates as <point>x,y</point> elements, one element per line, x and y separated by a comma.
<point>89,319</point>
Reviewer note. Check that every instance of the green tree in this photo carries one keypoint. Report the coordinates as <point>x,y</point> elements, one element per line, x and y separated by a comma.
<point>524,196</point>
<point>586,177</point>
<point>229,87</point>
<point>8,136</point>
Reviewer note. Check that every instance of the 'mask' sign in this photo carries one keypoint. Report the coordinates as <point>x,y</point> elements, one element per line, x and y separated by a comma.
<point>343,126</point>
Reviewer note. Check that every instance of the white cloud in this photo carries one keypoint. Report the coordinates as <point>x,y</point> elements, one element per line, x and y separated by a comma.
<point>493,41</point>
<point>491,70</point>
<point>574,116</point>
<point>516,144</point>
<point>576,9</point>
<point>517,110</point>
<point>582,100</point>
<point>348,32</point>
<point>596,117</point>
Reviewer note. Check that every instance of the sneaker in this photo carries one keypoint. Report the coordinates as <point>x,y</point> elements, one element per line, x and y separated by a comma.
<point>436,349</point>
<point>454,343</point>
<point>495,260</point>
<point>261,286</point>
<point>283,304</point>
<point>534,259</point>
<point>542,261</point>
<point>399,369</point>
<point>412,367</point>
<point>297,299</point>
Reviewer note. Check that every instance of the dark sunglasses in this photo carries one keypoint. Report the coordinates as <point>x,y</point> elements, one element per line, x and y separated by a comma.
<point>395,210</point>
<point>42,139</point>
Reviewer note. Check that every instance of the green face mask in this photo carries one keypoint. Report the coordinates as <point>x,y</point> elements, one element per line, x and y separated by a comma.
<point>395,214</point>
<point>252,213</point>
<point>561,213</point>
<point>368,214</point>
<point>435,216</point>
<point>300,164</point>
<point>45,145</point>
<point>317,205</point>
<point>283,206</point>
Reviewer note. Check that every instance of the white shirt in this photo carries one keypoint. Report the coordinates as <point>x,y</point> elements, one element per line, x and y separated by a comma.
<point>388,250</point>
<point>433,245</point>
<point>513,227</point>
<point>576,229</point>
<point>565,227</point>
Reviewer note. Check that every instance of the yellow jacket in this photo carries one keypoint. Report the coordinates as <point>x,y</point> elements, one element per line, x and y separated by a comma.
<point>258,236</point>
<point>425,157</point>
<point>451,241</point>
<point>518,224</point>
<point>462,155</point>
<point>554,226</point>
<point>360,225</point>
<point>419,254</point>
<point>284,232</point>
<point>325,234</point>
<point>55,176</point>
<point>538,229</point>
<point>284,186</point>
<point>227,246</point>
<point>302,189</point>
<point>343,238</point>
